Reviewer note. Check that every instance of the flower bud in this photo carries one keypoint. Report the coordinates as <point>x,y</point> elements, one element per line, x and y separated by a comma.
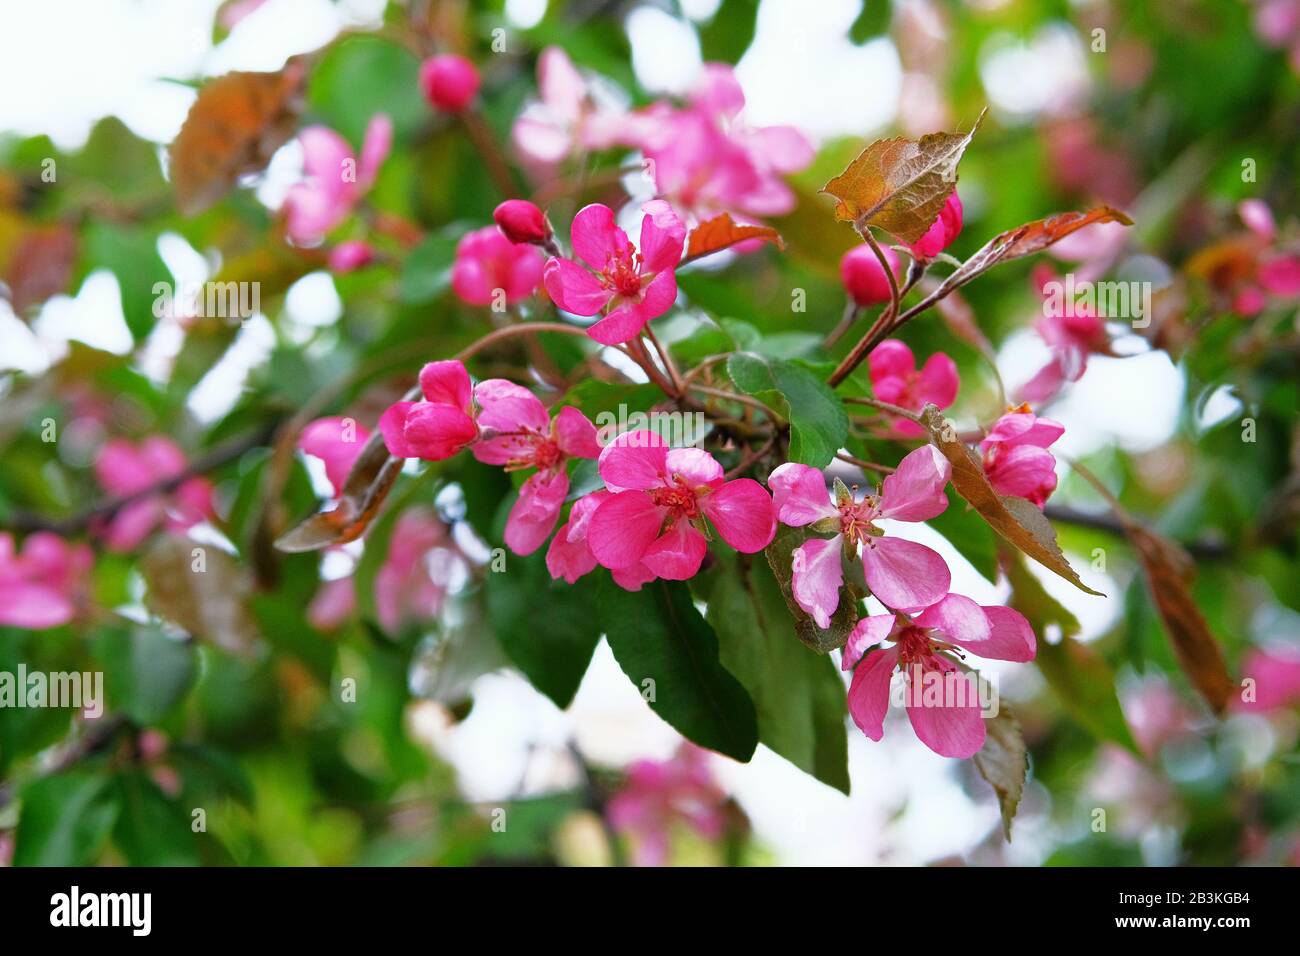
<point>863,277</point>
<point>449,82</point>
<point>945,229</point>
<point>349,256</point>
<point>521,221</point>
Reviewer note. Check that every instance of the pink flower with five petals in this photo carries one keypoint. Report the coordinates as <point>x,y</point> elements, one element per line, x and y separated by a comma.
<point>927,648</point>
<point>900,573</point>
<point>335,178</point>
<point>656,794</point>
<point>1072,332</point>
<point>1016,459</point>
<point>39,584</point>
<point>661,498</point>
<point>630,286</point>
<point>439,426</point>
<point>895,379</point>
<point>518,432</point>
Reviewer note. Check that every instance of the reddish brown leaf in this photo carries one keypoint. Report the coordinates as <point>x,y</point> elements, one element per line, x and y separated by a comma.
<point>1004,762</point>
<point>41,265</point>
<point>369,482</point>
<point>1169,571</point>
<point>238,121</point>
<point>201,589</point>
<point>900,185</point>
<point>716,234</point>
<point>1016,519</point>
<point>1025,240</point>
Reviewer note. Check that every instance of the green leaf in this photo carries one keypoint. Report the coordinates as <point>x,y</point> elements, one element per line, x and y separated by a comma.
<point>797,693</point>
<point>152,830</point>
<point>780,558</point>
<point>872,21</point>
<point>818,422</point>
<point>545,626</point>
<point>364,75</point>
<point>727,36</point>
<point>131,253</point>
<point>1085,686</point>
<point>146,672</point>
<point>426,274</point>
<point>66,818</point>
<point>1004,762</point>
<point>970,535</point>
<point>670,653</point>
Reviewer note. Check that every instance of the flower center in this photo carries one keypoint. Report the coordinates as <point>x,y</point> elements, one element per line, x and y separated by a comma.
<point>528,449</point>
<point>681,500</point>
<point>856,520</point>
<point>622,273</point>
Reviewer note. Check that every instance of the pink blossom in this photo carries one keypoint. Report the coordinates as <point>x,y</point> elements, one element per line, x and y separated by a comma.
<point>570,557</point>
<point>1256,214</point>
<point>349,256</point>
<point>568,115</point>
<point>657,794</point>
<point>1277,23</point>
<point>404,590</point>
<point>1276,673</point>
<point>126,469</point>
<point>943,232</point>
<point>336,179</point>
<point>486,261</point>
<point>901,574</point>
<point>337,442</point>
<point>521,221</point>
<point>895,379</point>
<point>40,583</point>
<point>863,277</point>
<point>630,286</point>
<point>1072,332</point>
<point>518,432</point>
<point>1016,459</point>
<point>927,648</point>
<point>439,426</point>
<point>661,497</point>
<point>708,160</point>
<point>449,82</point>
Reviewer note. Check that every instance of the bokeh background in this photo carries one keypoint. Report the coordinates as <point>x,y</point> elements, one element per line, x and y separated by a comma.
<point>1157,122</point>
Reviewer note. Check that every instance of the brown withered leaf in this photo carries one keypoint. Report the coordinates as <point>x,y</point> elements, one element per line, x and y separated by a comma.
<point>716,234</point>
<point>900,185</point>
<point>1169,571</point>
<point>369,482</point>
<point>201,589</point>
<point>1016,519</point>
<point>1004,762</point>
<point>238,121</point>
<point>41,265</point>
<point>1025,240</point>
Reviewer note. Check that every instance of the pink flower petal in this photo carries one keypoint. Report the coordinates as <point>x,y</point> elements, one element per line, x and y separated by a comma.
<point>631,579</point>
<point>677,554</point>
<point>939,381</point>
<point>505,407</point>
<point>33,606</point>
<point>337,442</point>
<point>376,147</point>
<point>573,288</point>
<point>742,512</point>
<point>635,460</point>
<point>1010,637</point>
<point>392,424</point>
<point>621,325</point>
<point>903,574</point>
<point>533,516</point>
<point>695,465</point>
<point>799,495</point>
<point>1025,471</point>
<point>575,434</point>
<point>955,726</point>
<point>448,382</point>
<point>435,431</point>
<point>818,574</point>
<point>658,297</point>
<point>623,527</point>
<point>891,358</point>
<point>869,691</point>
<point>915,491</point>
<point>868,632</point>
<point>561,85</point>
<point>662,236</point>
<point>596,237</point>
<point>958,619</point>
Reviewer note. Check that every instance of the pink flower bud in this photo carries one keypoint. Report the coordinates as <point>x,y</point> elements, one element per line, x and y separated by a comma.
<point>863,277</point>
<point>943,232</point>
<point>349,256</point>
<point>521,221</point>
<point>449,82</point>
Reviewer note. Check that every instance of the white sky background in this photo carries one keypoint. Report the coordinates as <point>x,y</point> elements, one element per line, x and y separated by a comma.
<point>66,63</point>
